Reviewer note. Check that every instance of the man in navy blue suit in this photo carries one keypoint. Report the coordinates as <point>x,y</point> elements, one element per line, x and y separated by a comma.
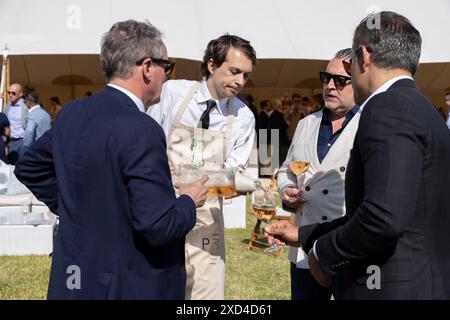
<point>103,169</point>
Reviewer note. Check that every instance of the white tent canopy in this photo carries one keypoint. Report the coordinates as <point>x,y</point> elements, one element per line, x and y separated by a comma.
<point>283,29</point>
<point>57,42</point>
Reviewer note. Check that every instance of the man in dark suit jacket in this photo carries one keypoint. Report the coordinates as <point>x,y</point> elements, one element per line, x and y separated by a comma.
<point>103,169</point>
<point>394,242</point>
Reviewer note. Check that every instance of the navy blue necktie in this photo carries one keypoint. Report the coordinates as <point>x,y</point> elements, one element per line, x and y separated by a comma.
<point>204,119</point>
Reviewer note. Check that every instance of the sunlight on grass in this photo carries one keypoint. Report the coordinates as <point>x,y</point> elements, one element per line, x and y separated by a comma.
<point>250,275</point>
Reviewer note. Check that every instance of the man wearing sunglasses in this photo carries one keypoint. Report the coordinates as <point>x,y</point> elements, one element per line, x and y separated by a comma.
<point>394,241</point>
<point>207,126</point>
<point>17,113</point>
<point>323,139</point>
<point>103,169</point>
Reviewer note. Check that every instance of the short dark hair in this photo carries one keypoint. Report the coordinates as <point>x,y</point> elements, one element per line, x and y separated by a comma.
<point>249,99</point>
<point>296,95</point>
<point>32,96</point>
<point>392,40</point>
<point>264,103</point>
<point>217,50</point>
<point>55,99</point>
<point>305,99</point>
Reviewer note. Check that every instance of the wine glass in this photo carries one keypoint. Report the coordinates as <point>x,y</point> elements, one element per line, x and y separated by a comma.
<point>299,168</point>
<point>264,207</point>
<point>186,173</point>
<point>263,204</point>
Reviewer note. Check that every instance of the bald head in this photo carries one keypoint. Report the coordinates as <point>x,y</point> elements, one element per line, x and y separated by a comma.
<point>15,92</point>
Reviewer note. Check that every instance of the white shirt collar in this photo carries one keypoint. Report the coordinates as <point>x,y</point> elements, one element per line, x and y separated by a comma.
<point>383,88</point>
<point>34,107</point>
<point>133,97</point>
<point>204,95</point>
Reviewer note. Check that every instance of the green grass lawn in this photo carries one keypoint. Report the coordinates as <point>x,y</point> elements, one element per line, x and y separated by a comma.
<point>254,275</point>
<point>250,275</point>
<point>24,277</point>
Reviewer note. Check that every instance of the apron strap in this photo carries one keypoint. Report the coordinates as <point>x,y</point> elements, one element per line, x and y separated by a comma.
<point>229,125</point>
<point>186,101</point>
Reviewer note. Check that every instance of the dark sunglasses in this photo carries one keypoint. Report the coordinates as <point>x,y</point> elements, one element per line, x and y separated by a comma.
<point>348,64</point>
<point>12,92</point>
<point>166,64</point>
<point>339,81</point>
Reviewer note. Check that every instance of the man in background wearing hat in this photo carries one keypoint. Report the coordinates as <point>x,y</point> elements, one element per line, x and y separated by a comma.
<point>38,120</point>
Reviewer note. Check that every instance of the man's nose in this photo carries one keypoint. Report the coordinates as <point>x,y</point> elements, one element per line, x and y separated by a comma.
<point>240,80</point>
<point>331,85</point>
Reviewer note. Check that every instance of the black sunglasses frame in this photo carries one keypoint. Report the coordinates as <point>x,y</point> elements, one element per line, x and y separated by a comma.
<point>339,80</point>
<point>168,65</point>
<point>348,64</point>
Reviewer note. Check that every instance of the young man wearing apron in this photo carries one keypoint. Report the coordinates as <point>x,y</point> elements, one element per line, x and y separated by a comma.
<point>207,125</point>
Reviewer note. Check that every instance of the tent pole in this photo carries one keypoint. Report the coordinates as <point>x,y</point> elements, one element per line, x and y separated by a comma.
<point>8,78</point>
<point>4,88</point>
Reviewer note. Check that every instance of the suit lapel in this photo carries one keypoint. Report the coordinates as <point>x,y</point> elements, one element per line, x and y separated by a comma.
<point>311,144</point>
<point>343,144</point>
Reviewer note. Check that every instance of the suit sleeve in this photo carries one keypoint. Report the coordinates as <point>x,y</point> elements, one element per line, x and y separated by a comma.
<point>308,234</point>
<point>157,214</point>
<point>390,140</point>
<point>36,171</point>
<point>30,132</point>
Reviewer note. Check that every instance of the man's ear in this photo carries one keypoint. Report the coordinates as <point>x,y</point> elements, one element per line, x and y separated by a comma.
<point>211,66</point>
<point>146,70</point>
<point>365,60</point>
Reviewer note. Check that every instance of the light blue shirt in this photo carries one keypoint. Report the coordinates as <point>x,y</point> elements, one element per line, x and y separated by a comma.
<point>15,114</point>
<point>38,122</point>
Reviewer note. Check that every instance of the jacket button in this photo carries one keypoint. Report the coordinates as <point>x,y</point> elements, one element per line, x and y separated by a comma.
<point>307,188</point>
<point>324,218</point>
<point>342,169</point>
<point>325,191</point>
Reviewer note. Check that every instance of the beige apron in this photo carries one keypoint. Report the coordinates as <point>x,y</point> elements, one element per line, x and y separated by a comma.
<point>205,244</point>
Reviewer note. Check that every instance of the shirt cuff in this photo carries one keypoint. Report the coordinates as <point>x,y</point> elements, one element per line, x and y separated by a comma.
<point>314,250</point>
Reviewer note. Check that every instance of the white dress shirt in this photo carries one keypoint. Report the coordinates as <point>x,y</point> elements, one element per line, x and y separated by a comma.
<point>243,130</point>
<point>133,97</point>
